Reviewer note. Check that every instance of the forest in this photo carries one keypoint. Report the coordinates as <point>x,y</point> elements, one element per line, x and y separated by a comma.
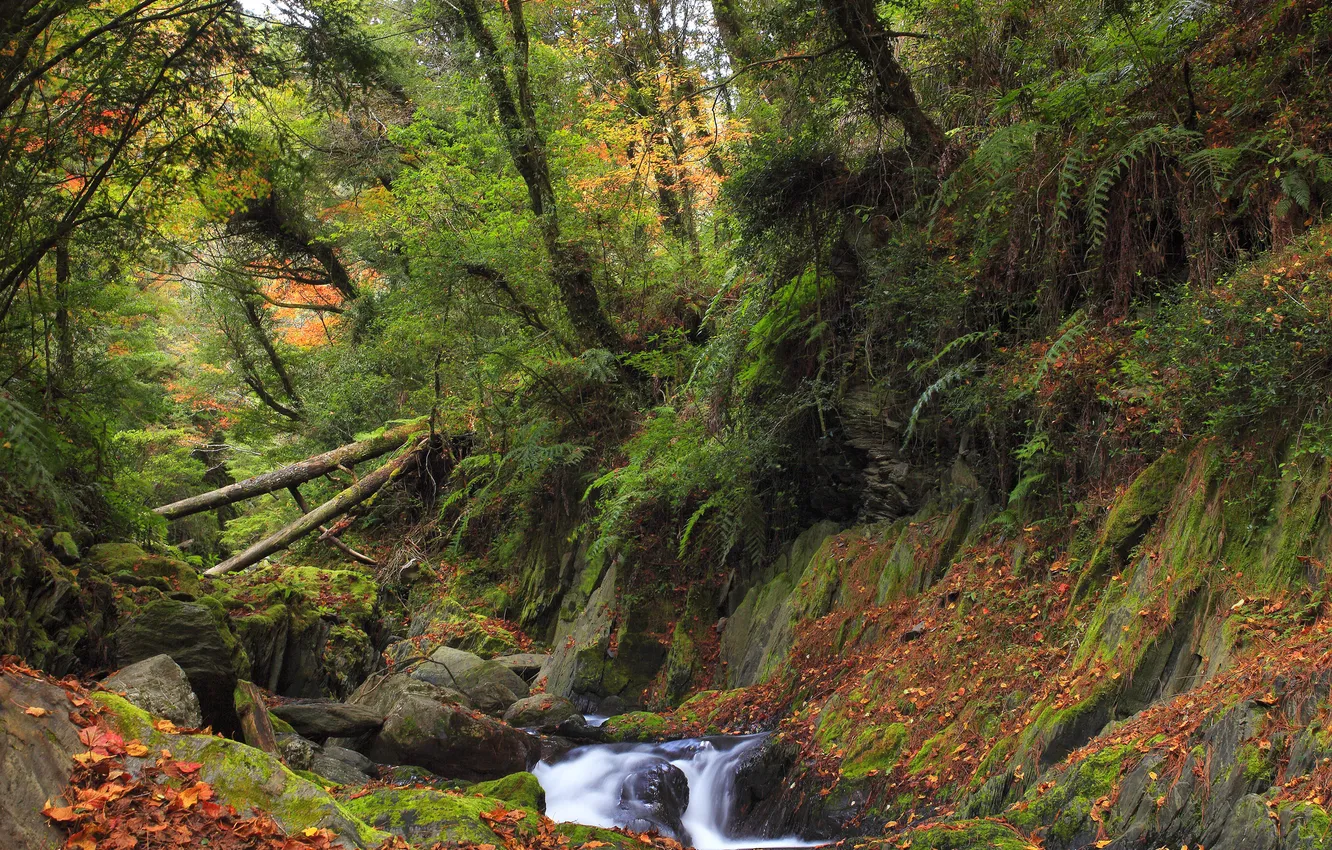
<point>732,424</point>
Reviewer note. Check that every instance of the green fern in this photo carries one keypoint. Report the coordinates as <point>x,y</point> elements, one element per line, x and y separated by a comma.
<point>949,379</point>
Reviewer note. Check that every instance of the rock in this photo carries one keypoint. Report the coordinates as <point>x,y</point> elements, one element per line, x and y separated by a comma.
<point>193,637</point>
<point>426,817</point>
<point>36,759</point>
<point>349,757</point>
<point>635,727</point>
<point>337,771</point>
<point>916,631</point>
<point>543,711</point>
<point>383,692</point>
<point>126,563</point>
<point>492,687</point>
<point>655,797</point>
<point>296,751</point>
<point>445,666</point>
<point>320,720</point>
<point>64,548</point>
<point>526,664</point>
<point>160,687</point>
<point>244,777</point>
<point>451,741</point>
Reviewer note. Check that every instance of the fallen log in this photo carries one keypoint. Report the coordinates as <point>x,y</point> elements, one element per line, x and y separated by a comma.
<point>256,727</point>
<point>363,489</point>
<point>293,474</point>
<point>328,536</point>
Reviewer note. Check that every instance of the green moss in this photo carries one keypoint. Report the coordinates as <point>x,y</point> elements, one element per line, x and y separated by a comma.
<point>580,835</point>
<point>1259,765</point>
<point>520,789</point>
<point>1305,825</point>
<point>1065,807</point>
<point>636,726</point>
<point>965,835</point>
<point>281,726</point>
<point>426,816</point>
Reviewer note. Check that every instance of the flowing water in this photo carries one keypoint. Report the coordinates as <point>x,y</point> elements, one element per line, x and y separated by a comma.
<point>585,786</point>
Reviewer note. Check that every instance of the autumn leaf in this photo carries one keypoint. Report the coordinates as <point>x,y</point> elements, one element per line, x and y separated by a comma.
<point>163,725</point>
<point>188,766</point>
<point>136,749</point>
<point>63,814</point>
<point>36,711</point>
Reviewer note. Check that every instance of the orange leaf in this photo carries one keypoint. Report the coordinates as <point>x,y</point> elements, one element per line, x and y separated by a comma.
<point>134,748</point>
<point>163,725</point>
<point>35,711</point>
<point>62,814</point>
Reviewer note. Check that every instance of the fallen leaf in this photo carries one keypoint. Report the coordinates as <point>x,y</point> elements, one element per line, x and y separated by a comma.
<point>36,711</point>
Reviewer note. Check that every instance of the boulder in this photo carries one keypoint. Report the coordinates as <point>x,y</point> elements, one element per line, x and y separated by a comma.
<point>349,757</point>
<point>319,720</point>
<point>427,817</point>
<point>383,692</point>
<point>126,563</point>
<point>243,776</point>
<point>526,664</point>
<point>445,666</point>
<point>543,711</point>
<point>655,797</point>
<point>337,771</point>
<point>36,759</point>
<point>451,741</point>
<point>160,687</point>
<point>492,687</point>
<point>195,639</point>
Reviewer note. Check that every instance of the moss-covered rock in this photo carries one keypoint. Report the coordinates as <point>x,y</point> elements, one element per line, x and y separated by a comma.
<point>426,816</point>
<point>636,727</point>
<point>243,776</point>
<point>197,638</point>
<point>127,563</point>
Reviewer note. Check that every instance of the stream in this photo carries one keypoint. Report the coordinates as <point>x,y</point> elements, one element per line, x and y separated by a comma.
<point>682,788</point>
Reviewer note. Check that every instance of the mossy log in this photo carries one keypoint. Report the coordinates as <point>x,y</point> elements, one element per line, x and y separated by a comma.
<point>333,508</point>
<point>296,473</point>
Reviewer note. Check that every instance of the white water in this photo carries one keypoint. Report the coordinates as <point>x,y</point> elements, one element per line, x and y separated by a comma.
<point>583,786</point>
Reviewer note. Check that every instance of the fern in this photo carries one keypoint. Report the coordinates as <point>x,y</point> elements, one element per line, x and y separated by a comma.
<point>1069,333</point>
<point>953,345</point>
<point>1098,199</point>
<point>949,379</point>
<point>24,445</point>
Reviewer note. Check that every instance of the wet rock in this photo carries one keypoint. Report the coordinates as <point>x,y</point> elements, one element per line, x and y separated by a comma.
<point>451,741</point>
<point>159,686</point>
<point>195,639</point>
<point>543,711</point>
<point>319,720</point>
<point>656,797</point>
<point>36,758</point>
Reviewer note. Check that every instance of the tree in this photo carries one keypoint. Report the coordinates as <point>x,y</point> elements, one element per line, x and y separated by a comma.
<point>571,267</point>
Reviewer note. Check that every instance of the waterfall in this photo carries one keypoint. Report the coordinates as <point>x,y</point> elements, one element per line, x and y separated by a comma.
<point>603,784</point>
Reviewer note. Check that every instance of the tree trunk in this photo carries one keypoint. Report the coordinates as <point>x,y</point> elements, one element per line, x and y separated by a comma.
<point>333,508</point>
<point>294,474</point>
<point>873,43</point>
